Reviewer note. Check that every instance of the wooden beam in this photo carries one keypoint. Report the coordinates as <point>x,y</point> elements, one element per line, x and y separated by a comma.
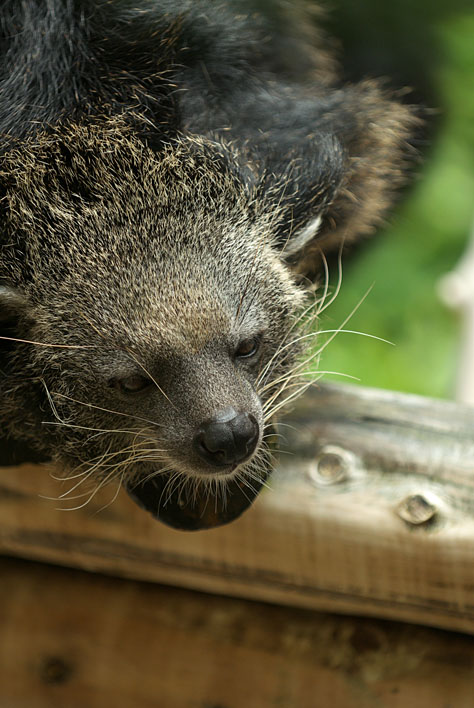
<point>373,514</point>
<point>70,640</point>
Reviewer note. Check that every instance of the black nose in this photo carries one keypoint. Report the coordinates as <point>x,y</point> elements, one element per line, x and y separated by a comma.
<point>227,439</point>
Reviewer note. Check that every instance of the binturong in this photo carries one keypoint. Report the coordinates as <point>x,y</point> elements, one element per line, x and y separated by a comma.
<point>171,171</point>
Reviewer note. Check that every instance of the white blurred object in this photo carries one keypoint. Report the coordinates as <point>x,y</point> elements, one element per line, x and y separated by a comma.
<point>456,290</point>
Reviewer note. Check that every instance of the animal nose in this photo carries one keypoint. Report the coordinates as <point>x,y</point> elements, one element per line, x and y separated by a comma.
<point>227,438</point>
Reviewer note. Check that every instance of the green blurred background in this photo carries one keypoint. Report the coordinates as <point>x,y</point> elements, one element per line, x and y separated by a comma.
<point>428,46</point>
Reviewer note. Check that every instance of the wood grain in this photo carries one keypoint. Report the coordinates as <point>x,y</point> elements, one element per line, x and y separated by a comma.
<point>373,514</point>
<point>69,640</point>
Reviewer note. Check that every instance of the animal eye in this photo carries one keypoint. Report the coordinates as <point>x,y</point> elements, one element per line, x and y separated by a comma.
<point>131,384</point>
<point>247,348</point>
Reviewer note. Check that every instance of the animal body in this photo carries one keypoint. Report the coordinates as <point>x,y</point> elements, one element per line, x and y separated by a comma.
<point>168,171</point>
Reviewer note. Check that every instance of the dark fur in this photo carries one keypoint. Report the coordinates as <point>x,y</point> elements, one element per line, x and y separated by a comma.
<point>160,163</point>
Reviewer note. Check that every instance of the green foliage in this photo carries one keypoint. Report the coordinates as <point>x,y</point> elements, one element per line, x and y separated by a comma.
<point>428,232</point>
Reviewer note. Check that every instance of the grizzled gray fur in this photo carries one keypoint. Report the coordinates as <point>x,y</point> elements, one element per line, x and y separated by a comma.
<point>166,170</point>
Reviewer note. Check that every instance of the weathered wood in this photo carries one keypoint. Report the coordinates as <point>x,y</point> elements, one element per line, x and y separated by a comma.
<point>373,515</point>
<point>73,640</point>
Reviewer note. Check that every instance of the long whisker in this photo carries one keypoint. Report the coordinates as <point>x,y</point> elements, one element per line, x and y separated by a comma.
<point>253,472</point>
<point>106,410</point>
<point>98,459</point>
<point>119,486</point>
<point>354,331</point>
<point>317,306</point>
<point>140,454</point>
<point>78,484</point>
<point>288,377</point>
<point>94,493</point>
<point>326,281</point>
<point>155,473</point>
<point>284,344</point>
<point>316,354</point>
<point>130,353</point>
<point>349,317</point>
<point>47,344</point>
<point>150,376</point>
<point>98,431</point>
<point>113,473</point>
<point>288,399</point>
<point>324,305</point>
<point>169,487</point>
<point>311,335</point>
<point>280,424</point>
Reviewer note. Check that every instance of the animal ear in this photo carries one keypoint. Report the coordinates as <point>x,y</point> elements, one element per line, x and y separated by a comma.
<point>303,236</point>
<point>340,181</point>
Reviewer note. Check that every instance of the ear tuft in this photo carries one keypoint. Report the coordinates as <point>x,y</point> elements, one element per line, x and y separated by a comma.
<point>303,236</point>
<point>337,181</point>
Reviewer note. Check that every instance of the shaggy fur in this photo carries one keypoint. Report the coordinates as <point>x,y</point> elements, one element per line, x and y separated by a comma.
<point>163,164</point>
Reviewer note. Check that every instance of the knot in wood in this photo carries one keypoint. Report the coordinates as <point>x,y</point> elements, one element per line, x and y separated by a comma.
<point>332,466</point>
<point>56,670</point>
<point>416,509</point>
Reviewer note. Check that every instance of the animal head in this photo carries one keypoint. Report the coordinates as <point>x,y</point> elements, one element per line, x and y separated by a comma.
<point>156,307</point>
<point>148,303</point>
<point>147,296</point>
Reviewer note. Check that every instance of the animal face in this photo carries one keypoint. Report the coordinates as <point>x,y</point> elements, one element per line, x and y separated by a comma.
<point>163,321</point>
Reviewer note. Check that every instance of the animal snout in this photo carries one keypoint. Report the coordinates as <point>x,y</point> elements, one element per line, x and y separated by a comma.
<point>228,438</point>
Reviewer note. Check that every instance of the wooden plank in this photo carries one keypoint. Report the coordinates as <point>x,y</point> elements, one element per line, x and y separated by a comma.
<point>373,515</point>
<point>70,639</point>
